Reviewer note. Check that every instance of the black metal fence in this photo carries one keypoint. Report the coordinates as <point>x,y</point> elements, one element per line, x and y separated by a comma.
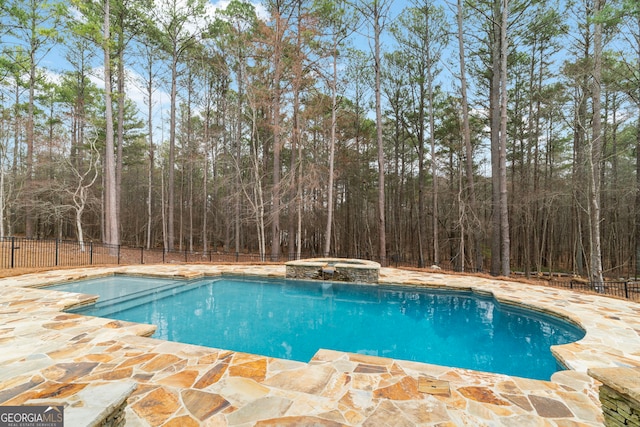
<point>19,252</point>
<point>621,289</point>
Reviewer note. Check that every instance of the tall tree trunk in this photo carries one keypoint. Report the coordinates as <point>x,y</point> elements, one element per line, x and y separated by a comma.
<point>382,233</point>
<point>275,189</point>
<point>504,207</point>
<point>466,136</point>
<point>29,219</point>
<point>151,151</point>
<point>2,197</point>
<point>172,153</point>
<point>579,177</point>
<point>293,165</point>
<point>163,204</point>
<point>637,189</point>
<point>110,214</point>
<point>205,173</point>
<point>17,132</point>
<point>294,187</point>
<point>432,143</point>
<point>238,147</point>
<point>422,220</point>
<point>637,200</point>
<point>277,142</point>
<point>494,112</point>
<point>121,99</point>
<point>299,206</point>
<point>596,274</point>
<point>538,208</point>
<point>191,154</point>
<point>332,145</point>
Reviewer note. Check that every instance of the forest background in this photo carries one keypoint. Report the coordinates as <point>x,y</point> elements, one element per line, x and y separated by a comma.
<point>483,134</point>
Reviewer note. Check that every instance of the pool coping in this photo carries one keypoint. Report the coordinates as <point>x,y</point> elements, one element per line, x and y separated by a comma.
<point>51,349</point>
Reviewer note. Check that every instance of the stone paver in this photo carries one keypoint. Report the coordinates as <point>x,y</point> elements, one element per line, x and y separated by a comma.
<point>51,357</point>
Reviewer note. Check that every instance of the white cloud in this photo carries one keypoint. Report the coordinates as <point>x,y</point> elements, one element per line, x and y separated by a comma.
<point>133,88</point>
<point>261,11</point>
<point>53,76</point>
<point>135,92</point>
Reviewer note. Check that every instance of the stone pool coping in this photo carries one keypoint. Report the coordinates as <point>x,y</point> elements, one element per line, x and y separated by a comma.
<point>91,364</point>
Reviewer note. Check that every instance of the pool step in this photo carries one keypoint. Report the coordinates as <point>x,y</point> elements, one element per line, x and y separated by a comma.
<point>126,302</point>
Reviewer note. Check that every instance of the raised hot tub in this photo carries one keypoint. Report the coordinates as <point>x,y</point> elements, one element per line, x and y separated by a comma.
<point>337,269</point>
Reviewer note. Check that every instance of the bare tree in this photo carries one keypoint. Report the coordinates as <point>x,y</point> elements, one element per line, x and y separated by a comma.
<point>84,180</point>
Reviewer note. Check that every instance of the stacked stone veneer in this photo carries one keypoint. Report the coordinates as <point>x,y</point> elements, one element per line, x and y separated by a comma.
<point>98,404</point>
<point>340,270</point>
<point>619,395</point>
<point>116,418</point>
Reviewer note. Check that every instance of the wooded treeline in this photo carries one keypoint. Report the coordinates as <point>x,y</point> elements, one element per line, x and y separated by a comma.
<point>492,134</point>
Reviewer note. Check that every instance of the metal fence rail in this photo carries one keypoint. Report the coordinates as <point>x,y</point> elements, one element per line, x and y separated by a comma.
<point>620,289</point>
<point>159,256</point>
<point>19,252</point>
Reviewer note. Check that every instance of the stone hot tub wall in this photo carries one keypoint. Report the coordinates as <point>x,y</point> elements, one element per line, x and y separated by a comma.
<point>619,395</point>
<point>336,269</point>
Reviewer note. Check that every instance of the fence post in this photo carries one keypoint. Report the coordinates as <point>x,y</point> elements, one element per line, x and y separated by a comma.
<point>185,255</point>
<point>13,250</point>
<point>626,290</point>
<point>57,251</point>
<point>118,254</point>
<point>91,253</point>
<point>141,254</point>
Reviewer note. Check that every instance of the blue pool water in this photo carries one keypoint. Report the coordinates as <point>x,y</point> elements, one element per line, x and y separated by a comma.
<point>293,319</point>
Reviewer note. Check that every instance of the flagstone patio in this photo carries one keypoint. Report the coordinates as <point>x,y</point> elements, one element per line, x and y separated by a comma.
<point>99,367</point>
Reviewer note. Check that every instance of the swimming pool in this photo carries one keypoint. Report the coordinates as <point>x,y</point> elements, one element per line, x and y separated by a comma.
<point>292,319</point>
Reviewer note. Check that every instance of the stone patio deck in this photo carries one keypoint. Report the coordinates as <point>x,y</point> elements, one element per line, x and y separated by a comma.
<point>93,365</point>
